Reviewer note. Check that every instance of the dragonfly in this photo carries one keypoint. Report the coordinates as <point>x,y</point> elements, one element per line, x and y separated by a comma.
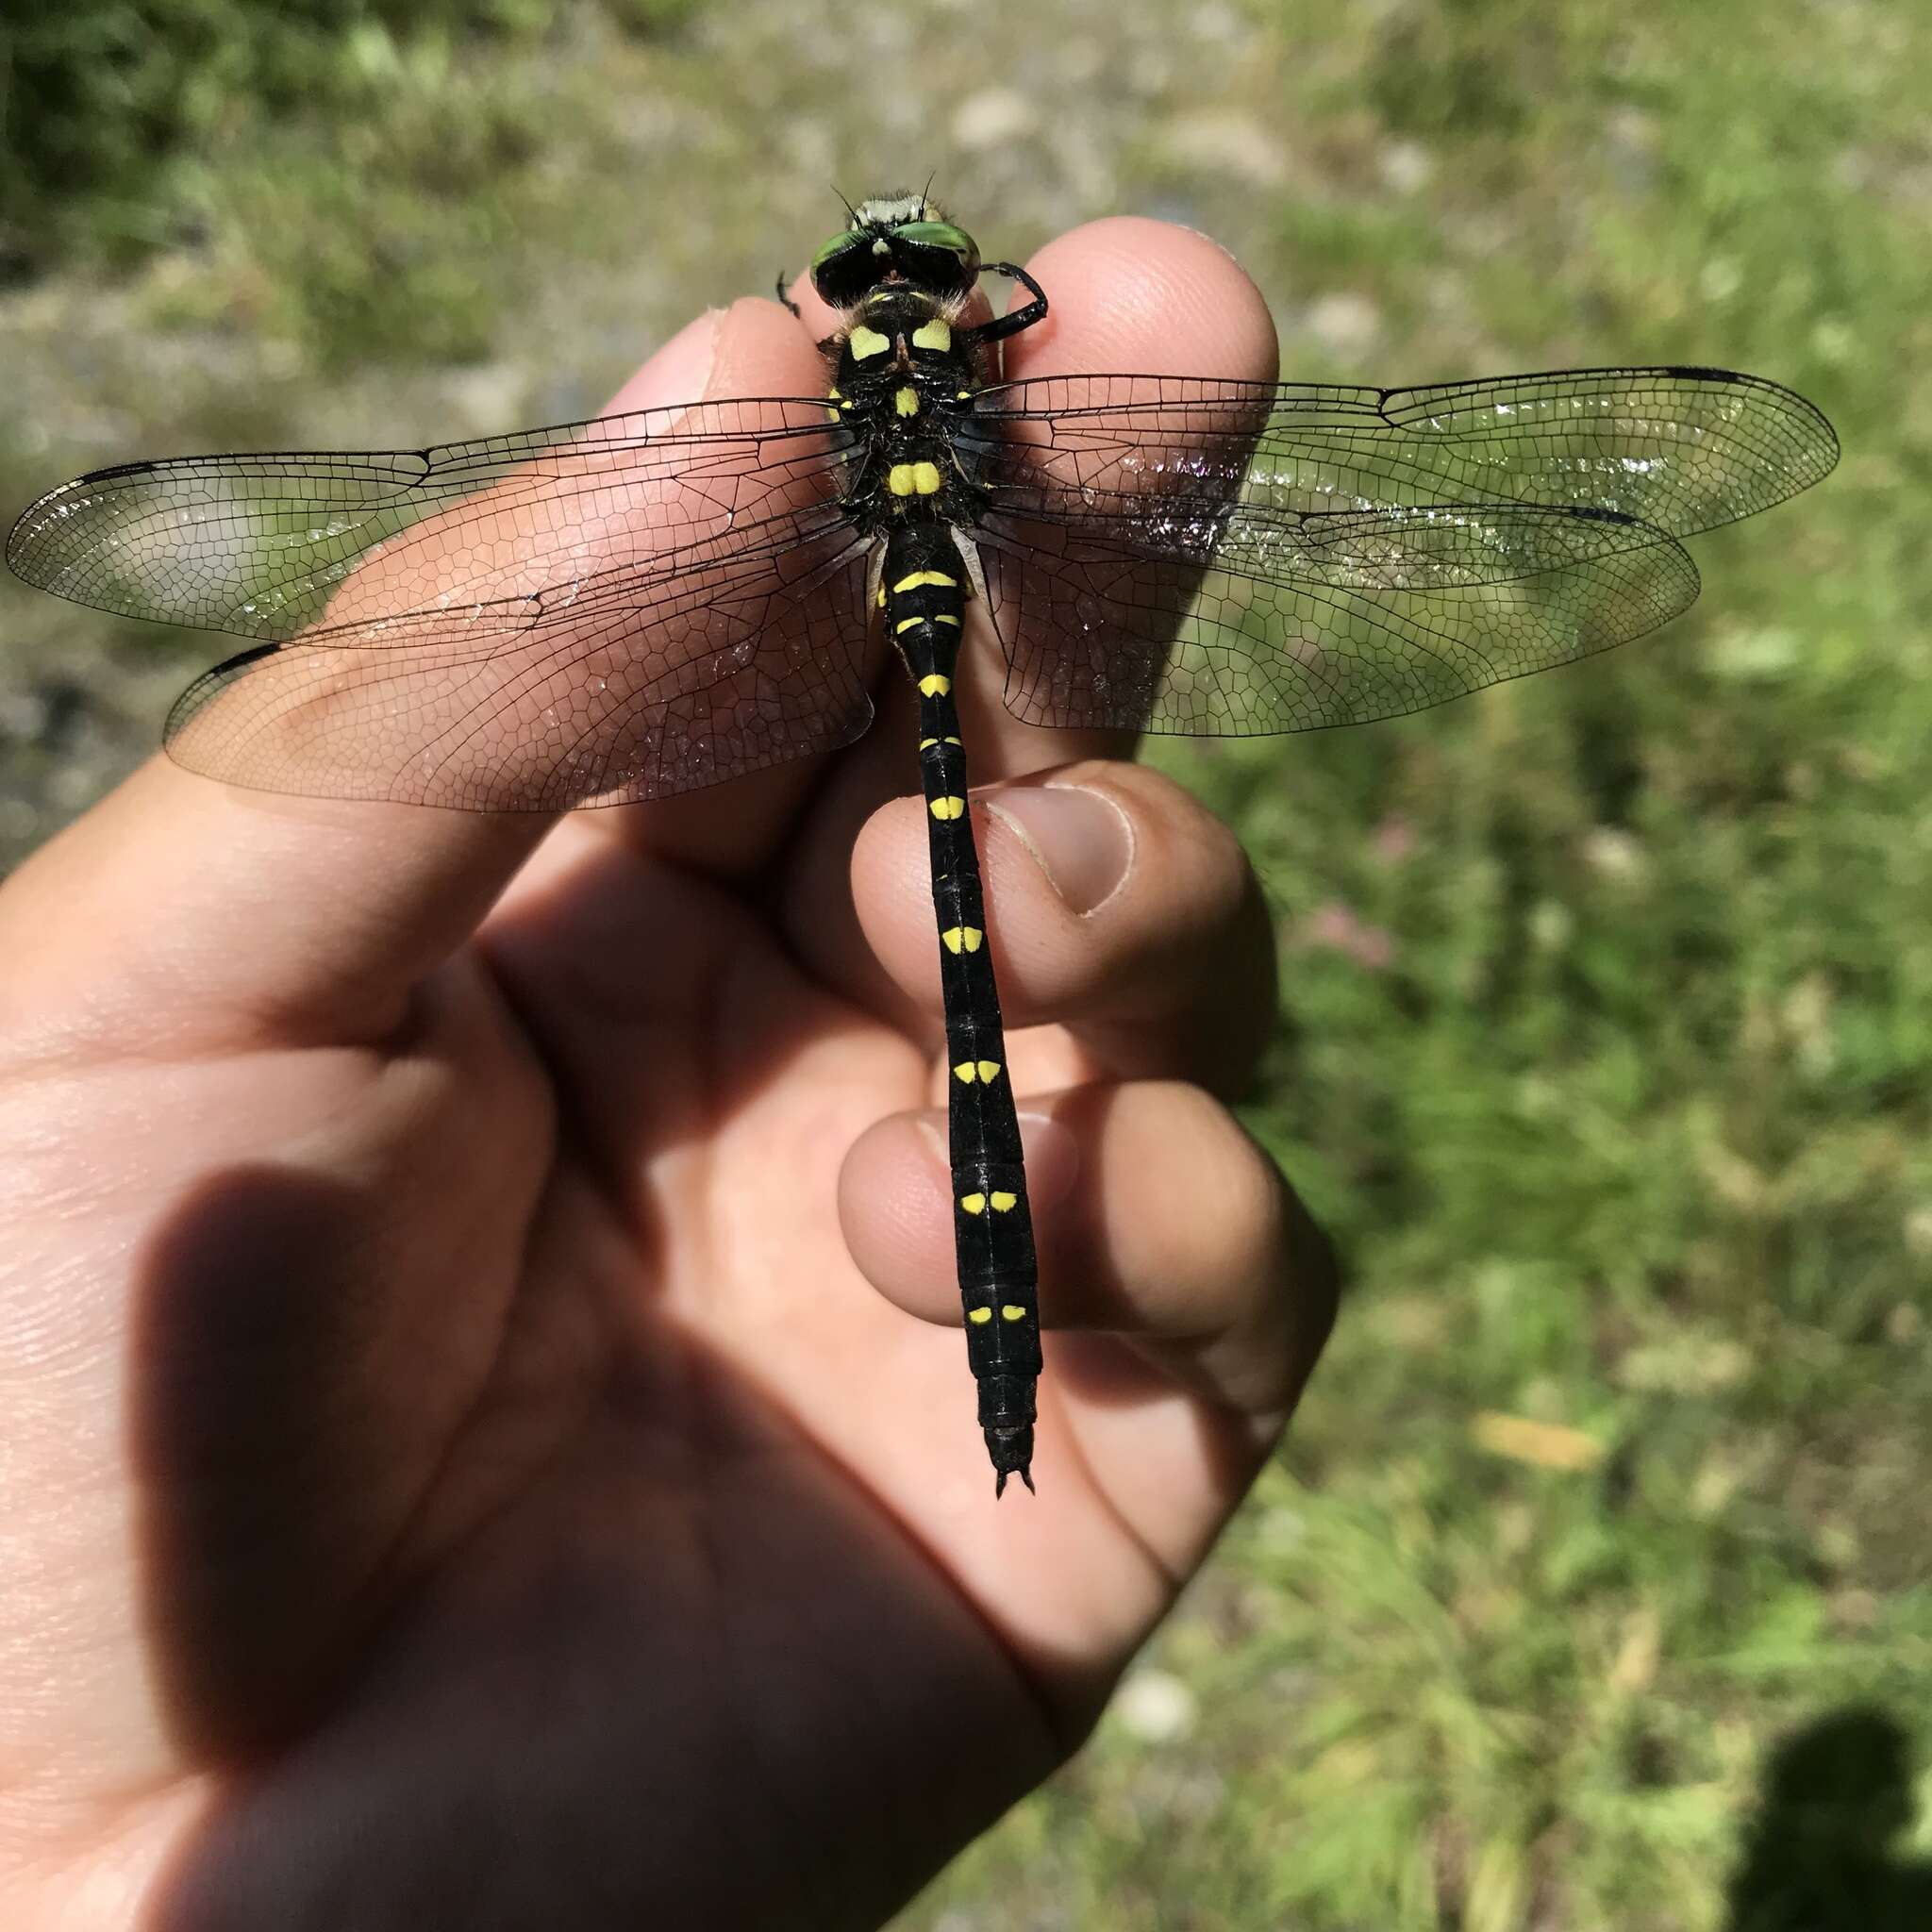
<point>634,606</point>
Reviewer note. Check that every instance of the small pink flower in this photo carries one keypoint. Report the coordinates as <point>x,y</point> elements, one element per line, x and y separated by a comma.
<point>1394,840</point>
<point>1336,927</point>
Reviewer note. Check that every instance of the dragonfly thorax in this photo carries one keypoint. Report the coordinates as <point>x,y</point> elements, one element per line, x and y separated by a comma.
<point>904,379</point>
<point>899,332</point>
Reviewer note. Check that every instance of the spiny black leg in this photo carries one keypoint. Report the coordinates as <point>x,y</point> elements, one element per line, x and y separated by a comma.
<point>779,285</point>
<point>1004,325</point>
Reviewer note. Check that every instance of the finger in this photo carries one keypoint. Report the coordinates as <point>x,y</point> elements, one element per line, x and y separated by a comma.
<point>761,352</point>
<point>1120,908</point>
<point>1131,296</point>
<point>220,914</point>
<point>1145,296</point>
<point>1155,1218</point>
<point>818,318</point>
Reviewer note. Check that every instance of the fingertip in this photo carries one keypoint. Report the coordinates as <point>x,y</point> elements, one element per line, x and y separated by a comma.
<point>1120,910</point>
<point>764,350</point>
<point>896,1202</point>
<point>818,318</point>
<point>894,1210</point>
<point>677,373</point>
<point>891,878</point>
<point>1149,298</point>
<point>892,894</point>
<point>753,348</point>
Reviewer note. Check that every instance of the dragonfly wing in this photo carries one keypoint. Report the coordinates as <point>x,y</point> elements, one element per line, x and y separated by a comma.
<point>612,610</point>
<point>1273,634</point>
<point>1683,450</point>
<point>662,684</point>
<point>268,546</point>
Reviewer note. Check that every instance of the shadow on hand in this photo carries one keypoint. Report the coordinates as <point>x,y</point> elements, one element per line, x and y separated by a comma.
<point>272,1431</point>
<point>1818,1859</point>
<point>686,1673</point>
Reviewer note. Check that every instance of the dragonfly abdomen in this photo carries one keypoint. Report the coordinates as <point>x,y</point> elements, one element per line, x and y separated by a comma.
<point>924,587</point>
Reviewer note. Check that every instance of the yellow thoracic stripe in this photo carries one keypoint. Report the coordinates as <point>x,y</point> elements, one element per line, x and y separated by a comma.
<point>924,577</point>
<point>866,342</point>
<point>935,334</point>
<point>906,624</point>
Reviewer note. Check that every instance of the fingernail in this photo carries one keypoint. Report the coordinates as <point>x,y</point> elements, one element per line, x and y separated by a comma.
<point>1053,1160</point>
<point>1084,842</point>
<point>679,372</point>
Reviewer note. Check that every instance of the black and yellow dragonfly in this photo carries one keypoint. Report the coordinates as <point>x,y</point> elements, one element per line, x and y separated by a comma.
<point>626,608</point>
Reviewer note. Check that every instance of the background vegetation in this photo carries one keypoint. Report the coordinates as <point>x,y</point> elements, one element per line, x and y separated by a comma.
<point>1592,1590</point>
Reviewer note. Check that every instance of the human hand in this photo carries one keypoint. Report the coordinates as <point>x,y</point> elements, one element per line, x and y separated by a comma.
<point>487,1438</point>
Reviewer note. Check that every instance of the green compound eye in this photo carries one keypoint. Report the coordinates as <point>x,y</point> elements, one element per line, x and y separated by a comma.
<point>938,235</point>
<point>840,243</point>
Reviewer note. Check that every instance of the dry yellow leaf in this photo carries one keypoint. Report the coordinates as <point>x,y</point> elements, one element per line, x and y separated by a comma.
<point>1549,1445</point>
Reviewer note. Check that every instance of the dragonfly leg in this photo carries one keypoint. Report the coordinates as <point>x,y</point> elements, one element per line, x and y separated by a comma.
<point>1004,325</point>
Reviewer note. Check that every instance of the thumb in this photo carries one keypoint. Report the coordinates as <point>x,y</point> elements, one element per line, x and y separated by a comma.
<point>206,914</point>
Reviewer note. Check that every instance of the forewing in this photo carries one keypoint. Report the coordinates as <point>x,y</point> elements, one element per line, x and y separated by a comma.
<point>612,610</point>
<point>1683,450</point>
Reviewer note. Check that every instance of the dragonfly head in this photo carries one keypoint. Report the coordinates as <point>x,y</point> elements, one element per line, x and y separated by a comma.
<point>901,238</point>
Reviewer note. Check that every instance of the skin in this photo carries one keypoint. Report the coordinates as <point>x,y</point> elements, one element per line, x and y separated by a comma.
<point>486,1434</point>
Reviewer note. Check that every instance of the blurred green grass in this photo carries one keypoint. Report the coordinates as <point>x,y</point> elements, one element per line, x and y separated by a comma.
<point>391,128</point>
<point>1607,1001</point>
